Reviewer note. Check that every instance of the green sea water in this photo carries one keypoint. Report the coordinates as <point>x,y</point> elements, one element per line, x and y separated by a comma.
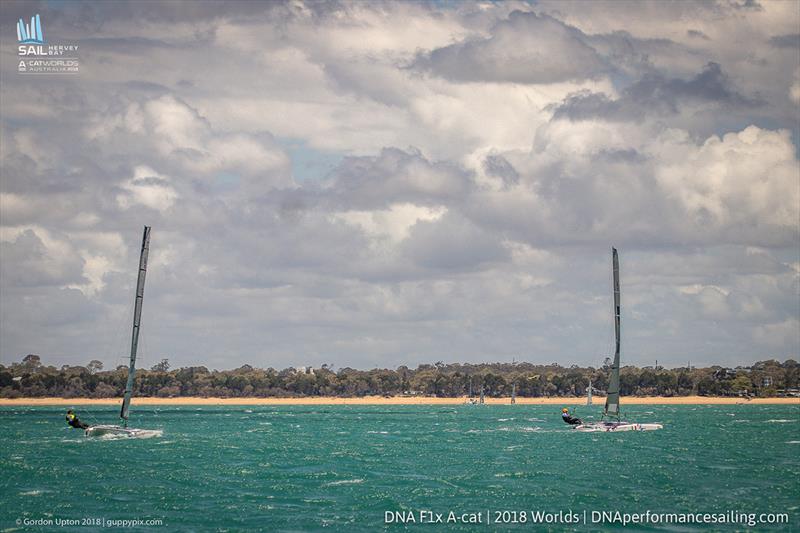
<point>342,468</point>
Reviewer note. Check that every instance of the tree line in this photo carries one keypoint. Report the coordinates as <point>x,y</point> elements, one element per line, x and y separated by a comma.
<point>30,378</point>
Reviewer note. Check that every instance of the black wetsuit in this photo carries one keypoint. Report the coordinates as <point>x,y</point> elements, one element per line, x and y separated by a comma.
<point>76,423</point>
<point>571,419</point>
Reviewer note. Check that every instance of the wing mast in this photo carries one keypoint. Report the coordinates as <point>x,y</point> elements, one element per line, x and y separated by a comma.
<point>137,317</point>
<point>612,398</point>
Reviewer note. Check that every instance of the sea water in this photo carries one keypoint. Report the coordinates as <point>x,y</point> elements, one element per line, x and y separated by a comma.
<point>366,468</point>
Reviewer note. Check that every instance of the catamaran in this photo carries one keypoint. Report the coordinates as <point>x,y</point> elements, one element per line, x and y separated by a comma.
<point>611,420</point>
<point>123,430</point>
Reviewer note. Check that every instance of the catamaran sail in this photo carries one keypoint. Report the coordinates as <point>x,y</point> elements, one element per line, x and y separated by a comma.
<point>589,393</point>
<point>612,397</point>
<point>137,319</point>
<point>513,393</point>
<point>611,409</point>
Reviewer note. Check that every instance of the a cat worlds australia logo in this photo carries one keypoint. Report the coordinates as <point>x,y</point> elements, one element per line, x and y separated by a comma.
<point>30,33</point>
<point>36,57</point>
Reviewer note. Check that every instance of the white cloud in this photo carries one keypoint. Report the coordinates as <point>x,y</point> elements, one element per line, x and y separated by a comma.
<point>748,177</point>
<point>148,188</point>
<point>393,223</point>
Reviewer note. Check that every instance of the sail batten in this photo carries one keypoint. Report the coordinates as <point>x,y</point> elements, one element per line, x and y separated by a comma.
<point>137,317</point>
<point>612,398</point>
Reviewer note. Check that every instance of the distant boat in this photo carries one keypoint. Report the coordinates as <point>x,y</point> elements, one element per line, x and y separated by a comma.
<point>470,400</point>
<point>481,400</point>
<point>589,394</point>
<point>513,393</point>
<point>123,430</point>
<point>611,409</point>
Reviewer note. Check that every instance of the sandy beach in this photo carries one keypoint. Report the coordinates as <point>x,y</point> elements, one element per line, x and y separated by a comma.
<point>395,400</point>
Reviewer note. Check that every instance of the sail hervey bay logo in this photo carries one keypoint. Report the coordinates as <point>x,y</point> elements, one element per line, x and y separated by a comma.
<point>30,33</point>
<point>38,57</point>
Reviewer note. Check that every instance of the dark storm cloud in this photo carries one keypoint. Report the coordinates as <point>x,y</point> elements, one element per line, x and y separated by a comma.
<point>791,41</point>
<point>498,166</point>
<point>397,176</point>
<point>697,34</point>
<point>656,94</point>
<point>631,56</point>
<point>525,48</point>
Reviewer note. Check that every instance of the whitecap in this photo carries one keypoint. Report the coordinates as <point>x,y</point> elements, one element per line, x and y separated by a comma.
<point>509,474</point>
<point>344,482</point>
<point>782,420</point>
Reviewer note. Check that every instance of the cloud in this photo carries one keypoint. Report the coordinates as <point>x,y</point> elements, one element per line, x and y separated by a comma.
<point>393,223</point>
<point>779,334</point>
<point>657,95</point>
<point>525,48</point>
<point>452,243</point>
<point>396,176</point>
<point>790,41</point>
<point>39,259</point>
<point>745,180</point>
<point>147,188</point>
<point>480,160</point>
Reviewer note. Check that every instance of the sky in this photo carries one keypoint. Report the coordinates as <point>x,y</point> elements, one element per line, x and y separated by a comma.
<point>367,184</point>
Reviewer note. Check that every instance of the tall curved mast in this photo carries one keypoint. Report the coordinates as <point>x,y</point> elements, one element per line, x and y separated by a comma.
<point>137,318</point>
<point>612,399</point>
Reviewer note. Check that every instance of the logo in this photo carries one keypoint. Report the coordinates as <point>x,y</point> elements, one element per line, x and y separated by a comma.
<point>30,33</point>
<point>37,57</point>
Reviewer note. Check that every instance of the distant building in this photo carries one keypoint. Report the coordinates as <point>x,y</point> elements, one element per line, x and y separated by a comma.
<point>303,370</point>
<point>725,373</point>
<point>766,381</point>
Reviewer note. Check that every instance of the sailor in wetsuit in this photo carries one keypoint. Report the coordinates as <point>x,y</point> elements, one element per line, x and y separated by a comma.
<point>569,419</point>
<point>73,421</point>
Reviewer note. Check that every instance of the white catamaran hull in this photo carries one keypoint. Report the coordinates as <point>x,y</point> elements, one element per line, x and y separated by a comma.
<point>119,431</point>
<point>617,426</point>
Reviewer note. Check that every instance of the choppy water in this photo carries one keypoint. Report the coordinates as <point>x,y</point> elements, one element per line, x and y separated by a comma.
<point>340,468</point>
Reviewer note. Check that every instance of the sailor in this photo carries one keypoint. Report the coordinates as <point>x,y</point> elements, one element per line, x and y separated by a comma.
<point>569,419</point>
<point>73,421</point>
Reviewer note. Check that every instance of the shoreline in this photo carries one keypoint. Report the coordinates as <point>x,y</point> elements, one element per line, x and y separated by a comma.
<point>399,400</point>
